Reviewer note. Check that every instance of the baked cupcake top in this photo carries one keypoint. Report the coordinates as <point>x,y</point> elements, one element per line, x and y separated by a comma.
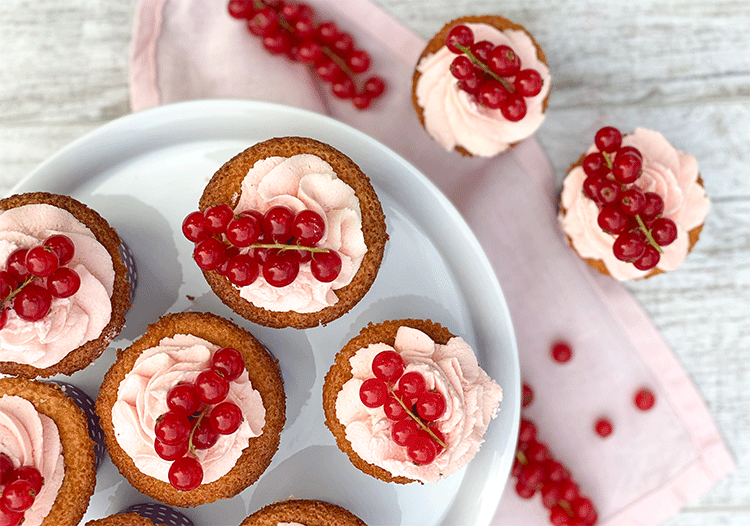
<point>298,512</point>
<point>453,116</point>
<point>77,328</point>
<point>132,398</point>
<point>447,366</point>
<point>41,427</point>
<point>666,171</point>
<point>299,174</point>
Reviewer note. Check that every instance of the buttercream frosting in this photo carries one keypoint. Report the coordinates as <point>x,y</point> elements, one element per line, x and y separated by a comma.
<point>454,118</point>
<point>72,321</point>
<point>667,171</point>
<point>141,399</point>
<point>301,182</point>
<point>31,438</point>
<point>472,401</point>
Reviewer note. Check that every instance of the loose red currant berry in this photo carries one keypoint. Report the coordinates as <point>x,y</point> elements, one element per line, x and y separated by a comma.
<point>62,246</point>
<point>281,269</point>
<point>6,468</point>
<point>608,139</point>
<point>527,395</point>
<point>528,83</point>
<point>212,387</point>
<point>373,392</point>
<point>32,303</point>
<point>326,266</point>
<point>664,231</point>
<point>504,61</point>
<point>612,219</point>
<point>430,405</point>
<point>308,227</point>
<point>226,418</point>
<point>393,409</point>
<point>183,398</point>
<point>388,366</point>
<point>18,496</point>
<point>16,264</point>
<point>403,430</point>
<point>228,362</point>
<point>648,260</point>
<point>626,167</point>
<point>204,436</point>
<point>632,201</point>
<point>172,428</point>
<point>421,449</point>
<point>603,427</point>
<point>411,385</point>
<point>41,262</point>
<point>629,246</point>
<point>459,35</point>
<point>561,351</point>
<point>644,399</point>
<point>171,451</point>
<point>185,474</point>
<point>209,254</point>
<point>63,282</point>
<point>218,217</point>
<point>513,107</point>
<point>31,474</point>
<point>242,270</point>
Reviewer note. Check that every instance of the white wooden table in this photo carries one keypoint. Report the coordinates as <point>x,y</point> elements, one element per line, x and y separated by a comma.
<point>678,66</point>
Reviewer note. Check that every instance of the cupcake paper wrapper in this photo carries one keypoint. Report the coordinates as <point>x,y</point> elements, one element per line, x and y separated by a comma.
<point>132,272</point>
<point>86,404</point>
<point>159,514</point>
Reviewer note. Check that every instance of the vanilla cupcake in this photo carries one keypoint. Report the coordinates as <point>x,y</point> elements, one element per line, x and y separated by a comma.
<point>303,176</point>
<point>502,96</point>
<point>179,350</point>
<point>144,514</point>
<point>591,209</point>
<point>42,428</point>
<point>296,512</point>
<point>44,334</point>
<point>409,429</point>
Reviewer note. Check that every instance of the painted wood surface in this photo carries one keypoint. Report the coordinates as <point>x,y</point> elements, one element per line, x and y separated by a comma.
<point>679,66</point>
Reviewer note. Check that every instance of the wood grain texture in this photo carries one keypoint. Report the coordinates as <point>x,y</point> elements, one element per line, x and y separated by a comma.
<point>679,66</point>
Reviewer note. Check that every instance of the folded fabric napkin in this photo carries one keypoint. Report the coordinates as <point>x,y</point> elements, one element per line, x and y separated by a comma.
<point>655,461</point>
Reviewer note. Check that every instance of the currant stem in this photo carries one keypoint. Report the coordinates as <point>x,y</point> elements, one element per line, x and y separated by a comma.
<point>647,232</point>
<point>486,68</point>
<point>415,418</point>
<point>12,294</point>
<point>281,247</point>
<point>191,447</point>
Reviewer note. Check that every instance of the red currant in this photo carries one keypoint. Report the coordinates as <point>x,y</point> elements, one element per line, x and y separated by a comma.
<point>537,451</point>
<point>204,436</point>
<point>528,83</point>
<point>328,32</point>
<point>183,398</point>
<point>459,35</point>
<point>242,270</point>
<point>430,405</point>
<point>594,164</point>
<point>18,496</point>
<point>612,219</point>
<point>228,362</point>
<point>373,392</point>
<point>411,385</point>
<point>277,223</point>
<point>561,351</point>
<point>32,303</point>
<point>626,167</point>
<point>462,67</point>
<point>527,395</point>
<point>63,282</point>
<point>632,201</point>
<point>421,449</point>
<point>171,451</point>
<point>277,41</point>
<point>513,107</point>
<point>653,207</point>
<point>41,261</point>
<point>172,427</point>
<point>185,473</point>
<point>608,139</point>
<point>281,269</point>
<point>374,86</point>
<point>226,418</point>
<point>195,227</point>
<point>263,22</point>
<point>241,8</point>
<point>532,474</point>
<point>492,94</point>
<point>310,51</point>
<point>7,284</point>
<point>504,61</point>
<point>308,227</point>
<point>212,387</point>
<point>218,217</point>
<point>393,409</point>
<point>388,366</point>
<point>326,266</point>
<point>31,474</point>
<point>403,430</point>
<point>644,399</point>
<point>526,432</point>
<point>524,491</point>
<point>648,260</point>
<point>209,254</point>
<point>16,264</point>
<point>608,191</point>
<point>62,246</point>
<point>244,230</point>
<point>6,468</point>
<point>343,44</point>
<point>629,246</point>
<point>664,231</point>
<point>603,427</point>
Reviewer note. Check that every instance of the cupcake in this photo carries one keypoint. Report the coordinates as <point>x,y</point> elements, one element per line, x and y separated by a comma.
<point>145,514</point>
<point>633,206</point>
<point>290,233</point>
<point>481,85</point>
<point>407,401</point>
<point>44,442</point>
<point>303,513</point>
<point>192,410</point>
<point>63,285</point>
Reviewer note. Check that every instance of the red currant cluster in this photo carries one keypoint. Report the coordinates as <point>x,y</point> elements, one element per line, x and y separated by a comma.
<point>492,73</point>
<point>33,276</point>
<point>625,211</point>
<point>243,246</point>
<point>408,403</point>
<point>21,486</point>
<point>290,28</point>
<point>198,413</point>
<point>537,470</point>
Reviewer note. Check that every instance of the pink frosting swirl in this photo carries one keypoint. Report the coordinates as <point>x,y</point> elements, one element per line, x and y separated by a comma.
<point>72,321</point>
<point>141,399</point>
<point>301,182</point>
<point>666,171</point>
<point>454,118</point>
<point>472,401</point>
<point>31,438</point>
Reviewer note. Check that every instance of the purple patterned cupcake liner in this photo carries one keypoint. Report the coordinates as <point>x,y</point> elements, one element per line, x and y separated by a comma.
<point>132,272</point>
<point>86,404</point>
<point>159,514</point>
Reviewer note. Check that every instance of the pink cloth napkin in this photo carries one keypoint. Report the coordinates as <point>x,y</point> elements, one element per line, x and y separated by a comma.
<point>654,462</point>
